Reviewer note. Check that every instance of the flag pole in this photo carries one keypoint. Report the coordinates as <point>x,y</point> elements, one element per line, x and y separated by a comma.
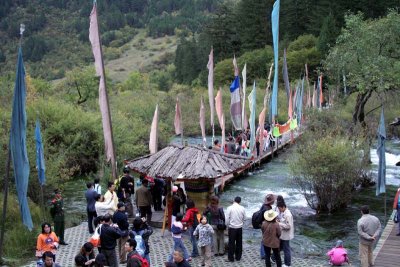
<point>5,197</point>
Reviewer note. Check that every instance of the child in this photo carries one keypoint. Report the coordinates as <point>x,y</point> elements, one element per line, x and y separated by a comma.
<point>205,232</point>
<point>141,228</point>
<point>338,255</point>
<point>177,229</point>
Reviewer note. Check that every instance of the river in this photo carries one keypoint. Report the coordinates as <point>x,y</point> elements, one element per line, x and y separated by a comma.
<point>314,233</point>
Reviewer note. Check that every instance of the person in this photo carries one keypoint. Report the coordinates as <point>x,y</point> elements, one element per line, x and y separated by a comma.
<point>235,216</point>
<point>100,260</point>
<point>48,260</point>
<point>90,195</point>
<point>285,220</point>
<point>205,233</point>
<point>176,203</point>
<point>182,197</point>
<point>368,228</point>
<point>267,205</point>
<point>57,213</point>
<point>121,220</point>
<point>126,190</point>
<point>102,208</point>
<point>169,264</point>
<point>271,234</point>
<point>189,220</point>
<point>85,256</point>
<point>217,145</point>
<point>157,193</point>
<point>111,197</point>
<point>144,200</point>
<point>177,229</point>
<point>338,255</point>
<point>141,228</point>
<point>396,206</point>
<point>134,258</point>
<point>97,186</point>
<point>215,215</point>
<point>179,259</point>
<point>46,241</point>
<point>108,239</point>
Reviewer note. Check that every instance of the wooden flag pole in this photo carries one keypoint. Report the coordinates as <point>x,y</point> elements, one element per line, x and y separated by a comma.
<point>5,197</point>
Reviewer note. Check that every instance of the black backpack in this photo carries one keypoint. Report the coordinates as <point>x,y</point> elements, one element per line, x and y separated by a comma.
<point>258,218</point>
<point>195,220</point>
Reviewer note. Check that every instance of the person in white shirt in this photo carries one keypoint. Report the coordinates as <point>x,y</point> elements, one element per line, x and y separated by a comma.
<point>102,207</point>
<point>287,234</point>
<point>111,196</point>
<point>234,219</point>
<point>97,186</point>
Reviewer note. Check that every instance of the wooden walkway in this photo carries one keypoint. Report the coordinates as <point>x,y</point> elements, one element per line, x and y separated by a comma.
<point>387,251</point>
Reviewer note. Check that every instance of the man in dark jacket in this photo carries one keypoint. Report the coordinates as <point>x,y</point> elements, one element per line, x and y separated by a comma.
<point>144,200</point>
<point>57,212</point>
<point>90,209</point>
<point>179,260</point>
<point>126,190</point>
<point>108,239</point>
<point>121,219</point>
<point>134,259</point>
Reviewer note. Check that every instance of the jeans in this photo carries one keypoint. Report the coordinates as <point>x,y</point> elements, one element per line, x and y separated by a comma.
<point>178,245</point>
<point>268,256</point>
<point>398,219</point>
<point>218,241</point>
<point>285,246</point>
<point>235,244</point>
<point>262,251</point>
<point>111,257</point>
<point>195,250</point>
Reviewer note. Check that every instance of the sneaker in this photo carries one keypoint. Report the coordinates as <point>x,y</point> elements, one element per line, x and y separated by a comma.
<point>273,260</point>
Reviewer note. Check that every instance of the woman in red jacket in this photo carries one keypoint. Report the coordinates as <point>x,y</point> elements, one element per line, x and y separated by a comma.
<point>191,212</point>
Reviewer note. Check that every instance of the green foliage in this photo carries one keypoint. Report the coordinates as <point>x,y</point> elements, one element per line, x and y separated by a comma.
<point>326,164</point>
<point>328,34</point>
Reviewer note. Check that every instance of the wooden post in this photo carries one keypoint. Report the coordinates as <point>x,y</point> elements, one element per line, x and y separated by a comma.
<point>164,219</point>
<point>5,196</point>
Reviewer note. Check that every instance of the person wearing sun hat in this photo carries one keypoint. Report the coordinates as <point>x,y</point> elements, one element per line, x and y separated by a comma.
<point>271,234</point>
<point>267,205</point>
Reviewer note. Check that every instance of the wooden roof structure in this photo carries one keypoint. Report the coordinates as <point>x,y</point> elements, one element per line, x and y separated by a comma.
<point>188,163</point>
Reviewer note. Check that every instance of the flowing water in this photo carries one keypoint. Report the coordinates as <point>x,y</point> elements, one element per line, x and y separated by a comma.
<point>314,233</point>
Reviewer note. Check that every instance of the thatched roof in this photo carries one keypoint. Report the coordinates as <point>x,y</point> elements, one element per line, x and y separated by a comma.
<point>188,162</point>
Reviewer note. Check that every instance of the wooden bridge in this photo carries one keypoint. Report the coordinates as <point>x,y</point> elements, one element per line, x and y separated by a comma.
<point>387,251</point>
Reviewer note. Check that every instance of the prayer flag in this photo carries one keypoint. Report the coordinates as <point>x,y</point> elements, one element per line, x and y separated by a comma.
<point>236,111</point>
<point>290,108</point>
<point>235,67</point>
<point>203,120</point>
<point>244,117</point>
<point>218,106</point>
<point>252,106</point>
<point>381,179</point>
<point>261,120</point>
<point>178,118</point>
<point>40,155</point>
<point>210,66</point>
<point>275,37</point>
<point>18,150</point>
<point>153,143</point>
<point>321,97</point>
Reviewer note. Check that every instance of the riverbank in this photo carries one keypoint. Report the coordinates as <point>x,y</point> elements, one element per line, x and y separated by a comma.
<point>161,246</point>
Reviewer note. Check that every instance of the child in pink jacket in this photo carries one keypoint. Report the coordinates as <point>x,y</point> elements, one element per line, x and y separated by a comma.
<point>338,254</point>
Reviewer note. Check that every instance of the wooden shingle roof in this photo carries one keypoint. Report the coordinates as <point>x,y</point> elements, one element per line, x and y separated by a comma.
<point>188,162</point>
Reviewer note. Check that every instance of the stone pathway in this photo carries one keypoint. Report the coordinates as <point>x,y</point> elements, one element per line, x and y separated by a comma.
<point>161,246</point>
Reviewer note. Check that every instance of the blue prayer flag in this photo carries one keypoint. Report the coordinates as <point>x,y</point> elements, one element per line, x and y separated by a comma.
<point>275,38</point>
<point>381,181</point>
<point>18,142</point>
<point>40,155</point>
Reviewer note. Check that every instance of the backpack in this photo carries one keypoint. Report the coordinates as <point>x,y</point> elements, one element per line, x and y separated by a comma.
<point>175,229</point>
<point>140,243</point>
<point>196,219</point>
<point>257,218</point>
<point>143,261</point>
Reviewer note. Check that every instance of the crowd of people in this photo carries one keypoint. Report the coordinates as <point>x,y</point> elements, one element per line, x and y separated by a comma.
<point>108,222</point>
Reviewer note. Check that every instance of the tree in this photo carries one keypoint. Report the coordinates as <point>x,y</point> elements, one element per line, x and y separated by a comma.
<point>368,52</point>
<point>328,34</point>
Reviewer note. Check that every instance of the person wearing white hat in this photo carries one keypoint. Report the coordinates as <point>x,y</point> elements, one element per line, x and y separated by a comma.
<point>271,234</point>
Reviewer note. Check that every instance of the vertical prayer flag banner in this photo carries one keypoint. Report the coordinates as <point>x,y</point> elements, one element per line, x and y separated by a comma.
<point>94,38</point>
<point>381,181</point>
<point>244,77</point>
<point>321,96</point>
<point>218,107</point>
<point>286,75</point>
<point>202,120</point>
<point>252,106</point>
<point>177,121</point>
<point>235,67</point>
<point>210,66</point>
<point>18,150</point>
<point>236,108</point>
<point>290,107</point>
<point>40,155</point>
<point>275,38</point>
<point>261,122</point>
<point>153,143</point>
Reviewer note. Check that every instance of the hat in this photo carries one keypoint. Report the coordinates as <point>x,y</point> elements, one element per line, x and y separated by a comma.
<point>339,243</point>
<point>269,215</point>
<point>120,204</point>
<point>269,199</point>
<point>174,188</point>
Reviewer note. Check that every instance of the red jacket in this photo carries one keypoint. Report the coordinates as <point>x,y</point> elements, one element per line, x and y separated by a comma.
<point>189,219</point>
<point>396,199</point>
